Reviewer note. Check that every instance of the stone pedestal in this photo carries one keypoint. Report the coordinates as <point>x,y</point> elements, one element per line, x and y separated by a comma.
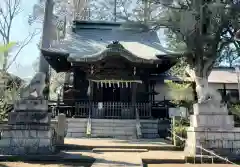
<point>212,128</point>
<point>28,131</point>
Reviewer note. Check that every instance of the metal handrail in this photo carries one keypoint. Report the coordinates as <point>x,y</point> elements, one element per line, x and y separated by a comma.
<point>89,126</point>
<point>138,124</point>
<point>204,149</point>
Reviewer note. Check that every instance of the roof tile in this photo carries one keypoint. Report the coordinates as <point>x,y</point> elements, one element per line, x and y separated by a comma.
<point>88,42</point>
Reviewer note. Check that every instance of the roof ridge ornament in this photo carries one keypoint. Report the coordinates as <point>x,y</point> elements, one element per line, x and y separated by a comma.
<point>115,44</point>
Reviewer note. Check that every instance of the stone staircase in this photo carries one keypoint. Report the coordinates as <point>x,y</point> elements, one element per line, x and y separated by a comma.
<point>149,129</point>
<point>77,127</point>
<point>113,128</point>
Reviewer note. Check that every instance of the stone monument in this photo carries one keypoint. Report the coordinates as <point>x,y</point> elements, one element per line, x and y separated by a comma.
<point>211,127</point>
<point>28,131</point>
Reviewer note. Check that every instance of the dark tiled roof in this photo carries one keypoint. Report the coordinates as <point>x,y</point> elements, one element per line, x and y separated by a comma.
<point>91,41</point>
<point>218,75</point>
<point>223,75</point>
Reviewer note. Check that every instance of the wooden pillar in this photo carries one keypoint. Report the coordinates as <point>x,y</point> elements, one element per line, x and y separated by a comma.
<point>153,90</point>
<point>90,97</point>
<point>134,88</point>
<point>91,90</point>
<point>80,84</point>
<point>133,99</point>
<point>150,96</point>
<point>224,93</point>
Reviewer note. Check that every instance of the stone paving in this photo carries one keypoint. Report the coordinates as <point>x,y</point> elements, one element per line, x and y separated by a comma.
<point>96,142</point>
<point>133,159</point>
<point>123,159</point>
<point>191,165</point>
<point>117,159</point>
<point>110,159</point>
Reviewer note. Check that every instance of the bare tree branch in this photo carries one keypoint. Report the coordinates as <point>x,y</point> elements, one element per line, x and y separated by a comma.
<point>24,43</point>
<point>9,9</point>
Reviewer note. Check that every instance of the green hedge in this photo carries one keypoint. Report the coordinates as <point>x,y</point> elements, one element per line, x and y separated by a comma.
<point>182,132</point>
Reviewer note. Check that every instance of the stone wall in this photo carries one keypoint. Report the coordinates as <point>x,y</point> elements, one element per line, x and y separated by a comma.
<point>60,128</point>
<point>213,129</point>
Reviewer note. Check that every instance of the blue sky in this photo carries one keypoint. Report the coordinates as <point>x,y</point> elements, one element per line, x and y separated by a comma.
<point>20,30</point>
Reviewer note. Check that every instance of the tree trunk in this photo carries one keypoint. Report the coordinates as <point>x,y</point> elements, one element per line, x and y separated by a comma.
<point>5,61</point>
<point>204,93</point>
<point>200,77</point>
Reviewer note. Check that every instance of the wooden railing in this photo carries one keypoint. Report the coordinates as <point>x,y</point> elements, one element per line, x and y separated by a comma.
<point>118,110</point>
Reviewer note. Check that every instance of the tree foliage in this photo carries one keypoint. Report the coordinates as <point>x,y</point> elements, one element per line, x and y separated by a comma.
<point>181,94</point>
<point>180,91</point>
<point>9,86</point>
<point>4,48</point>
<point>98,10</point>
<point>126,10</point>
<point>9,10</point>
<point>205,27</point>
<point>230,55</point>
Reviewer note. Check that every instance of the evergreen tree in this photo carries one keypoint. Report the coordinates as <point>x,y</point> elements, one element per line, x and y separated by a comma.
<point>203,28</point>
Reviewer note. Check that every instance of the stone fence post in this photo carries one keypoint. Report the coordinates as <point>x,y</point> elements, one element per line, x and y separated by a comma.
<point>61,128</point>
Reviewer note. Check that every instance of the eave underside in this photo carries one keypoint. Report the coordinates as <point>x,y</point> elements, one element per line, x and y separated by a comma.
<point>60,61</point>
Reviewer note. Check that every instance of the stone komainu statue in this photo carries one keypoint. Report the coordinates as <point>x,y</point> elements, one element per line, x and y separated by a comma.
<point>35,87</point>
<point>207,94</point>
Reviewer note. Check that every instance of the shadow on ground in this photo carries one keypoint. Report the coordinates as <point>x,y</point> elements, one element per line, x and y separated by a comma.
<point>59,160</point>
<point>159,144</point>
<point>44,164</point>
<point>3,165</point>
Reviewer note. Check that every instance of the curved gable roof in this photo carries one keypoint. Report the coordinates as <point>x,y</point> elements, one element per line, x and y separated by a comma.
<point>87,43</point>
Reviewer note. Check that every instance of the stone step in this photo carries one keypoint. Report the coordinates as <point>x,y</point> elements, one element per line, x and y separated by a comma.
<point>89,144</point>
<point>123,137</point>
<point>113,133</point>
<point>76,129</point>
<point>113,127</point>
<point>149,125</point>
<point>115,121</point>
<point>76,134</point>
<point>149,130</point>
<point>150,135</point>
<point>77,126</point>
<point>118,150</point>
<point>77,120</point>
<point>148,121</point>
